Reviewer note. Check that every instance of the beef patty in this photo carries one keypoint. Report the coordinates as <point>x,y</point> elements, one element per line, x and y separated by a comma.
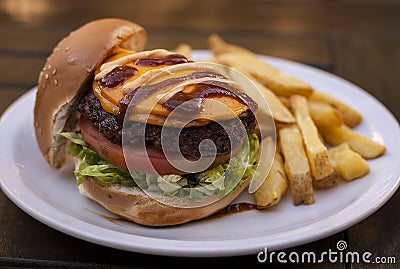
<point>189,138</point>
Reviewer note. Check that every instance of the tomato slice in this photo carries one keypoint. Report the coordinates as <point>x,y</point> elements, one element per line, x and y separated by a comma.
<point>114,154</point>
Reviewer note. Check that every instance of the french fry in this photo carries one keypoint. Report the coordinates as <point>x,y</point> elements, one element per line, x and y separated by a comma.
<point>285,101</point>
<point>324,114</point>
<point>210,60</point>
<point>316,151</point>
<point>296,165</point>
<point>184,49</point>
<point>281,125</point>
<point>350,116</point>
<point>278,110</point>
<point>219,46</point>
<point>348,163</point>
<point>361,144</point>
<point>278,81</point>
<point>328,181</point>
<point>274,187</point>
<point>317,118</point>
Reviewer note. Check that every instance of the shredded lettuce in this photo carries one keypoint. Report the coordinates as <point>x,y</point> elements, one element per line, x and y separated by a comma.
<point>91,164</point>
<point>221,180</point>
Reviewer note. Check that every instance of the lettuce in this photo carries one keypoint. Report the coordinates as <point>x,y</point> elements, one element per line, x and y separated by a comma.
<point>221,180</point>
<point>91,164</point>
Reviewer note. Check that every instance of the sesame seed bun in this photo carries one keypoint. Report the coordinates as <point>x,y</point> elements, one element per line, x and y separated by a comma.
<point>66,75</point>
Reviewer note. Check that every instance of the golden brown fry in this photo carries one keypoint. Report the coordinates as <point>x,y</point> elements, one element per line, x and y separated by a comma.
<point>277,80</point>
<point>184,49</point>
<point>317,153</point>
<point>274,187</point>
<point>278,110</point>
<point>296,165</point>
<point>285,101</point>
<point>348,163</point>
<point>210,60</point>
<point>302,145</point>
<point>280,82</point>
<point>328,181</point>
<point>365,146</point>
<point>281,125</point>
<point>219,46</point>
<point>350,116</point>
<point>324,114</point>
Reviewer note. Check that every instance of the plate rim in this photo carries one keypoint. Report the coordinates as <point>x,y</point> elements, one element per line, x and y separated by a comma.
<point>218,250</point>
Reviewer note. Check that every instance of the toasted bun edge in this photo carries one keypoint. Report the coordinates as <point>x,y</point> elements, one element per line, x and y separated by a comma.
<point>138,207</point>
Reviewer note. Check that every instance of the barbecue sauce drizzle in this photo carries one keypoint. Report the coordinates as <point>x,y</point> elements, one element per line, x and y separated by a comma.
<point>118,75</point>
<point>121,73</point>
<point>232,209</point>
<point>167,60</point>
<point>201,90</point>
<point>229,210</point>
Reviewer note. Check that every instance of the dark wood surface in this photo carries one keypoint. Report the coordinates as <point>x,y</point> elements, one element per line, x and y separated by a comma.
<point>357,40</point>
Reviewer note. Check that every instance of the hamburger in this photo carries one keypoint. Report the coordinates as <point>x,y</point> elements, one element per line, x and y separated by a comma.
<point>107,103</point>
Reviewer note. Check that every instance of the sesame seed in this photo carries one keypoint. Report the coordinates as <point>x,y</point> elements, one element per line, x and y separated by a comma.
<point>67,48</point>
<point>46,76</point>
<point>49,67</point>
<point>54,71</point>
<point>56,82</point>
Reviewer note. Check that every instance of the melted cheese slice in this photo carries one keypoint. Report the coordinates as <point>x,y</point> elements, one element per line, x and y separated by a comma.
<point>151,110</point>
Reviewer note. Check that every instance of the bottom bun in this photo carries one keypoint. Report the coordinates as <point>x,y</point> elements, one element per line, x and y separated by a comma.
<point>133,204</point>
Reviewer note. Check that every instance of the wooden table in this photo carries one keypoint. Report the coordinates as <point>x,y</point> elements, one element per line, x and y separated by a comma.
<point>357,40</point>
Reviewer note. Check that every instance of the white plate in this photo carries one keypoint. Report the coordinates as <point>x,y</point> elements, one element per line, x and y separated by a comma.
<point>51,196</point>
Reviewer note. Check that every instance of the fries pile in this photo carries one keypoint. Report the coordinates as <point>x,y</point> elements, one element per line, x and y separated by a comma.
<point>317,146</point>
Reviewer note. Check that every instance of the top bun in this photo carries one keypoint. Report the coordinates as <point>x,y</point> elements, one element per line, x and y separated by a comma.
<point>68,72</point>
